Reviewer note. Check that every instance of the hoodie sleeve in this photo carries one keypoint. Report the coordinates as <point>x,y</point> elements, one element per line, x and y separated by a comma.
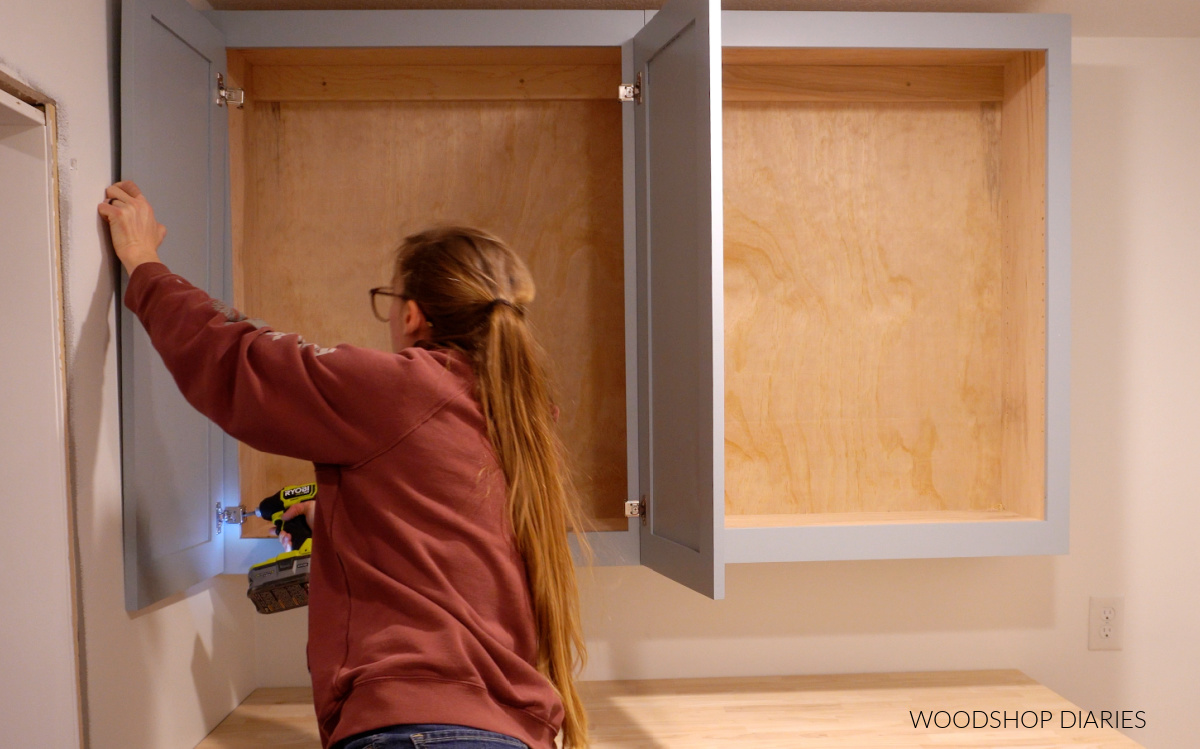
<point>276,392</point>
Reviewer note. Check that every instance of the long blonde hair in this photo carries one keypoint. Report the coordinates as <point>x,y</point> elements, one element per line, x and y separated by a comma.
<point>473,289</point>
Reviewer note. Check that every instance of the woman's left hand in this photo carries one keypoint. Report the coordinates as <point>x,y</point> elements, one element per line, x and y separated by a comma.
<point>309,508</point>
<point>136,234</point>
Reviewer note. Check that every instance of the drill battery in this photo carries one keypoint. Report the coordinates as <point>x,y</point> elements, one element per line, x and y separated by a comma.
<point>281,583</point>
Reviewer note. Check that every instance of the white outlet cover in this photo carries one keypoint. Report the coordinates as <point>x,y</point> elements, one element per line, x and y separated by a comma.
<point>1106,622</point>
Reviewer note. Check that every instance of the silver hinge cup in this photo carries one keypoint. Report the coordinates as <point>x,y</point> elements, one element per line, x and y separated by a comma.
<point>631,91</point>
<point>636,508</point>
<point>232,96</point>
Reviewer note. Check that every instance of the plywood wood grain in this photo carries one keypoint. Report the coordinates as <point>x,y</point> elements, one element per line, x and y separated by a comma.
<point>435,82</point>
<point>885,285</point>
<point>260,474</point>
<point>432,56</point>
<point>237,73</point>
<point>333,187</point>
<point>863,83</point>
<point>1023,294</point>
<point>873,56</point>
<point>847,711</point>
<point>863,307</point>
<point>793,520</point>
<point>830,712</point>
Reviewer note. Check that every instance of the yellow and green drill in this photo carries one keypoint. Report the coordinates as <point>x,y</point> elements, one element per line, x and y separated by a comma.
<point>281,582</point>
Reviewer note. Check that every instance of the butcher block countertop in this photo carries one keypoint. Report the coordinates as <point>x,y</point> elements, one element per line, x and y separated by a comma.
<point>992,709</point>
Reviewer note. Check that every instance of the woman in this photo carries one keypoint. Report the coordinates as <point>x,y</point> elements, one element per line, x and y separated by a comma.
<point>443,607</point>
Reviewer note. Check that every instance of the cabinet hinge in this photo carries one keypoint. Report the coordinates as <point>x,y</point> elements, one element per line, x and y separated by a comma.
<point>231,515</point>
<point>636,508</point>
<point>631,91</point>
<point>232,96</point>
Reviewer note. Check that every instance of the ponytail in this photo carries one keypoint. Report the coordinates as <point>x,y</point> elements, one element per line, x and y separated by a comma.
<point>515,398</point>
<point>474,289</point>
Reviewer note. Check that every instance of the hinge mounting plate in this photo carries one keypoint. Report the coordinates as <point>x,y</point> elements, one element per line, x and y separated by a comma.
<point>231,96</point>
<point>230,515</point>
<point>631,91</point>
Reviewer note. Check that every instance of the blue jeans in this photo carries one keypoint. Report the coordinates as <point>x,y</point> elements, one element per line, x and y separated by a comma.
<point>430,736</point>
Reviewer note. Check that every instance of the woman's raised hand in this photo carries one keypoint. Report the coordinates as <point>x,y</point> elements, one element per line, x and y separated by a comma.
<point>136,234</point>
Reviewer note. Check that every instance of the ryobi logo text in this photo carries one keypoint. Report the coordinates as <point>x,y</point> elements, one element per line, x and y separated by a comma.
<point>300,492</point>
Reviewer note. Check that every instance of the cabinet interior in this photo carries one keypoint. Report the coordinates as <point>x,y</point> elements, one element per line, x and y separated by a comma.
<point>341,153</point>
<point>884,285</point>
<point>884,253</point>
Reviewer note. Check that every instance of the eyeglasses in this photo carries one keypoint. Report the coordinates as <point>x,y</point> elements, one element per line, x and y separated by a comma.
<point>382,291</point>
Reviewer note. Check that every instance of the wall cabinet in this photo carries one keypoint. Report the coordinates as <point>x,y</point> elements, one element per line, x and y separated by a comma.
<point>807,296</point>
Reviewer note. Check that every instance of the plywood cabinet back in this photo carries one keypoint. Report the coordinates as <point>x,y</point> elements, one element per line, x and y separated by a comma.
<point>346,152</point>
<point>1023,295</point>
<point>884,277</point>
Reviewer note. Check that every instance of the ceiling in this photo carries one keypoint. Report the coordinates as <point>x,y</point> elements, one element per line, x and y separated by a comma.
<point>1162,18</point>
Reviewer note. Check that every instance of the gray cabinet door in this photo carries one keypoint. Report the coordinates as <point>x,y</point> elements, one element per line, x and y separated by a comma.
<point>680,291</point>
<point>173,145</point>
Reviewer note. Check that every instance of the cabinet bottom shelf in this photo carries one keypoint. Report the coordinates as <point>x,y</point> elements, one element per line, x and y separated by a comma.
<point>872,518</point>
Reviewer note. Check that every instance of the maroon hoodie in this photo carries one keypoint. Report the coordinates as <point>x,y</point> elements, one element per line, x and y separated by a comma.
<point>419,607</point>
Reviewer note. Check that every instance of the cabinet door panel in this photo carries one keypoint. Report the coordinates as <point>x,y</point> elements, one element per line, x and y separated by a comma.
<point>680,329</point>
<point>173,140</point>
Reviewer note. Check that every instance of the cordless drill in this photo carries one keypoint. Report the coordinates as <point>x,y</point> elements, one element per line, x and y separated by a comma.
<point>281,583</point>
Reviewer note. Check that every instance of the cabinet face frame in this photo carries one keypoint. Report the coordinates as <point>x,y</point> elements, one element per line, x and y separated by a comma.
<point>947,31</point>
<point>349,29</point>
<point>254,29</point>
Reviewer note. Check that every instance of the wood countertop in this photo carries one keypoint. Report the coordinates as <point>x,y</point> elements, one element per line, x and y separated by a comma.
<point>848,711</point>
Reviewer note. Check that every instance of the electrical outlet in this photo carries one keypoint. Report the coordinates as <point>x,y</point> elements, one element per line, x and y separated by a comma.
<point>1106,622</point>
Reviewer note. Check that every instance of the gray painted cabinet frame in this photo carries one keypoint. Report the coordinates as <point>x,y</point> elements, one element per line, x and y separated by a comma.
<point>1051,33</point>
<point>705,571</point>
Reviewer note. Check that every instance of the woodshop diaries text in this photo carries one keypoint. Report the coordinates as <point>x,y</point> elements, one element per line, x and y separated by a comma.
<point>1027,719</point>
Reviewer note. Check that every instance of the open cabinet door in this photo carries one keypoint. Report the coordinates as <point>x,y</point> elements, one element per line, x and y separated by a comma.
<point>173,145</point>
<point>680,292</point>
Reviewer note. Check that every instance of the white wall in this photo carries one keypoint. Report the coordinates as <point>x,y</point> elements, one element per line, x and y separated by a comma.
<point>1137,327</point>
<point>161,678</point>
<point>37,663</point>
